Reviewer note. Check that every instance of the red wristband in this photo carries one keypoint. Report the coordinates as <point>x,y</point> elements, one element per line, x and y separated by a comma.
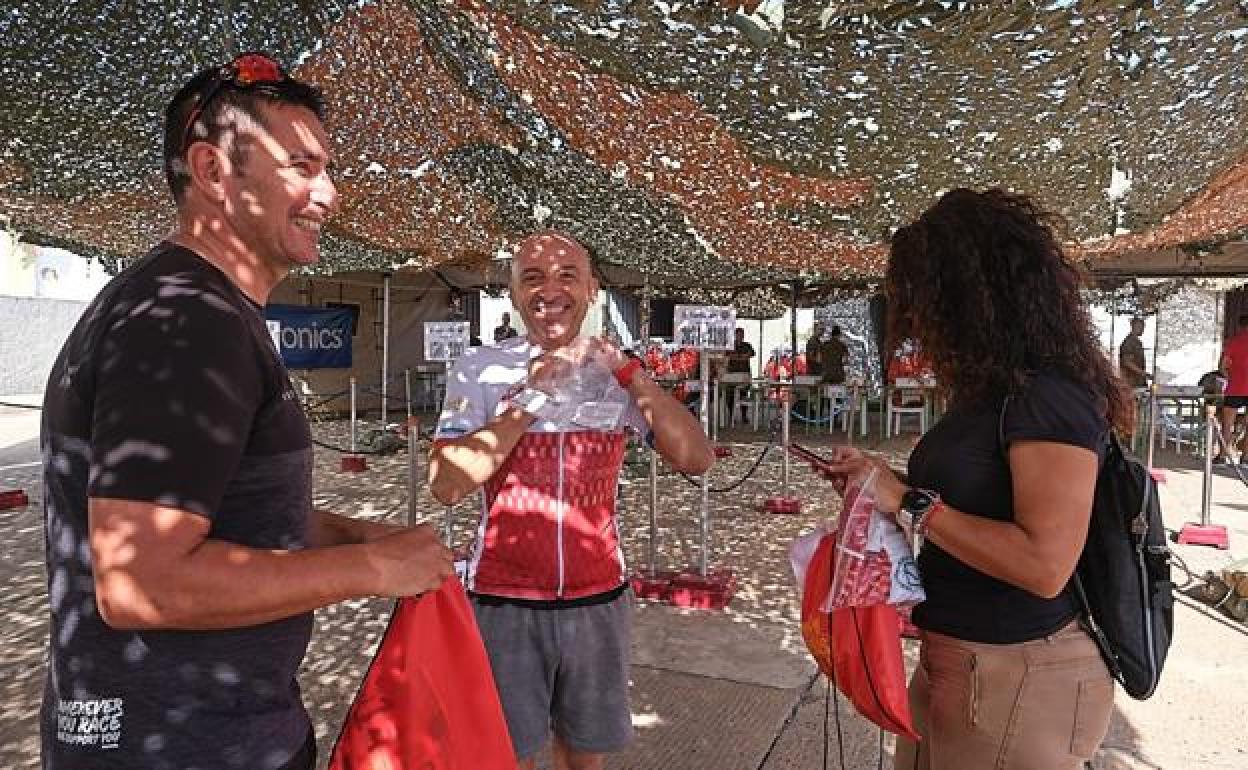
<point>925,525</point>
<point>625,374</point>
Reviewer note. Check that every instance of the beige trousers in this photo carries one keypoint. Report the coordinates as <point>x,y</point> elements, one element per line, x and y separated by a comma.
<point>1038,705</point>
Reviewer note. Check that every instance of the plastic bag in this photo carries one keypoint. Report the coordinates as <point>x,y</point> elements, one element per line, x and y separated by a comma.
<point>428,701</point>
<point>583,395</point>
<point>873,560</point>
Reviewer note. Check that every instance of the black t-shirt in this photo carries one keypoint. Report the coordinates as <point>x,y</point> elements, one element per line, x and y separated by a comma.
<point>742,364</point>
<point>1132,352</point>
<point>169,390</point>
<point>962,459</point>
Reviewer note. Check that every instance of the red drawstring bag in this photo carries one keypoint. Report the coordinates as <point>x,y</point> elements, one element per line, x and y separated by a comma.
<point>858,648</point>
<point>428,701</point>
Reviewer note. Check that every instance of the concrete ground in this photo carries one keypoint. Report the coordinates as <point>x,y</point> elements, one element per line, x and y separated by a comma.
<point>724,690</point>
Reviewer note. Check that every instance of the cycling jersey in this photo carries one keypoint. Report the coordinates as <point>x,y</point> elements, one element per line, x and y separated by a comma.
<point>547,528</point>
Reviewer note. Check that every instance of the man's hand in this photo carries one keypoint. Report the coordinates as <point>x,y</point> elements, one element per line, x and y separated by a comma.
<point>410,562</point>
<point>555,366</point>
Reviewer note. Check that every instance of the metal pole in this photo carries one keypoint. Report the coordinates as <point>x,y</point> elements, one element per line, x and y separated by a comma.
<point>793,333</point>
<point>705,523</point>
<point>1206,491</point>
<point>761,349</point>
<point>1152,389</point>
<point>385,345</point>
<point>1113,317</point>
<point>446,525</point>
<point>786,397</point>
<point>1152,421</point>
<point>412,472</point>
<point>407,389</point>
<point>352,415</point>
<point>644,311</point>
<point>654,508</point>
<point>715,408</point>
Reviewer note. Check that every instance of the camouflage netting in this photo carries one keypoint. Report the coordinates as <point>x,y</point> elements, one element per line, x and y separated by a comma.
<point>696,143</point>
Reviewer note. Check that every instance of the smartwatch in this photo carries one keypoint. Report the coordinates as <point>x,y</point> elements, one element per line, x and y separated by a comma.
<point>916,506</point>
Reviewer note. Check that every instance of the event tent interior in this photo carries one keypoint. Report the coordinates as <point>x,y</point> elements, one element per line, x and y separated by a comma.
<point>719,150</point>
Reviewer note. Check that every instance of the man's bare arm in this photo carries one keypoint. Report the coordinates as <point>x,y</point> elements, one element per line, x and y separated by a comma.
<point>156,568</point>
<point>678,436</point>
<point>458,466</point>
<point>330,528</point>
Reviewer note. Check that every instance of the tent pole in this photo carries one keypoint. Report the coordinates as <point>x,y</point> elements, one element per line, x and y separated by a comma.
<point>385,344</point>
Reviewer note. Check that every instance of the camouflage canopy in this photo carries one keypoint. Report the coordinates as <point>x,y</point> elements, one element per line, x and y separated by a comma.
<point>696,143</point>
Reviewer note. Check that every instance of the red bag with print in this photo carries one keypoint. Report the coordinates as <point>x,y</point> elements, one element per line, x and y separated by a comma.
<point>850,630</point>
<point>428,701</point>
<point>858,648</point>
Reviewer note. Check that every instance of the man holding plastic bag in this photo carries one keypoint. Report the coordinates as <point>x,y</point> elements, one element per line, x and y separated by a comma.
<point>540,423</point>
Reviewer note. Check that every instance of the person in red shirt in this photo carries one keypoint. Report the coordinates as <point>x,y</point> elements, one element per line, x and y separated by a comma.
<point>1235,397</point>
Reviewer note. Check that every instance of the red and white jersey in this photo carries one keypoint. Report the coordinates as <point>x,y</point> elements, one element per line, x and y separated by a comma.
<point>547,528</point>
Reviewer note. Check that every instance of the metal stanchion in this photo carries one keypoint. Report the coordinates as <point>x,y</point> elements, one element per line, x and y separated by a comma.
<point>407,391</point>
<point>1152,424</point>
<point>704,525</point>
<point>1206,532</point>
<point>1206,490</point>
<point>785,503</point>
<point>785,422</point>
<point>413,476</point>
<point>385,348</point>
<point>654,508</point>
<point>353,463</point>
<point>352,415</point>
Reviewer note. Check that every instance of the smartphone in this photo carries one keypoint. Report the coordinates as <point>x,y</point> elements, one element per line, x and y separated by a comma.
<point>810,456</point>
<point>820,464</point>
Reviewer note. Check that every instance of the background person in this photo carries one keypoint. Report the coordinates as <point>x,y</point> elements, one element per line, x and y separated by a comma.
<point>1235,396</point>
<point>1131,363</point>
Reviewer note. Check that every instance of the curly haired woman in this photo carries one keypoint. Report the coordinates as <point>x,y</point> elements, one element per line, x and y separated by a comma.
<point>1001,487</point>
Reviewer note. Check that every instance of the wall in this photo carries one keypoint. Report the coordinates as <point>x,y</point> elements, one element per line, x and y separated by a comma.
<point>32,331</point>
<point>414,299</point>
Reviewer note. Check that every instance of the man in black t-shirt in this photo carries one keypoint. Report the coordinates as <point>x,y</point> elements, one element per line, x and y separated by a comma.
<point>184,558</point>
<point>1131,363</point>
<point>738,363</point>
<point>505,331</point>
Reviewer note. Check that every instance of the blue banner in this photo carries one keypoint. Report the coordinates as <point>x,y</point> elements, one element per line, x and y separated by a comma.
<point>311,337</point>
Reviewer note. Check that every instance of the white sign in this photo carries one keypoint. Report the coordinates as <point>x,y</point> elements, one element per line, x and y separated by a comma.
<point>705,327</point>
<point>445,340</point>
<point>275,333</point>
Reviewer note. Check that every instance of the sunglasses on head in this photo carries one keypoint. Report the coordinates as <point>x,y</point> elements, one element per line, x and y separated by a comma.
<point>246,71</point>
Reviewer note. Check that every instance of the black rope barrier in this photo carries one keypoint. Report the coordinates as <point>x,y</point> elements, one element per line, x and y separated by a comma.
<point>771,441</point>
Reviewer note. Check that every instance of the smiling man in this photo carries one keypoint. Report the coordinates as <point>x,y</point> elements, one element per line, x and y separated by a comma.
<point>184,558</point>
<point>540,423</point>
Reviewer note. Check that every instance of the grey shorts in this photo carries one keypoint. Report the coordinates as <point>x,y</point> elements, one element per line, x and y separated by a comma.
<point>565,669</point>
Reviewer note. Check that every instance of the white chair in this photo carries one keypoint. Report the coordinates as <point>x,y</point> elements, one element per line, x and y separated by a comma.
<point>839,405</point>
<point>905,389</point>
<point>738,385</point>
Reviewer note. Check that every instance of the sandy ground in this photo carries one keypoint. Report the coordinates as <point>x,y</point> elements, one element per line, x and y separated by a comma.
<point>731,689</point>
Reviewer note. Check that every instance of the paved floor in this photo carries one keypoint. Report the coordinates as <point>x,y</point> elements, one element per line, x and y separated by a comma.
<point>732,689</point>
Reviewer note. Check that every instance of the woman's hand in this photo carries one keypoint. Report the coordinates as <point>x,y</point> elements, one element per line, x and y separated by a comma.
<point>856,465</point>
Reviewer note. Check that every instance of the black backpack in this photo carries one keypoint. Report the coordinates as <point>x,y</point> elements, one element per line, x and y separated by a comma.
<point>1122,580</point>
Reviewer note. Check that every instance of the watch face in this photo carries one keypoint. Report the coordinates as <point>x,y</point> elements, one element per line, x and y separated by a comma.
<point>916,501</point>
